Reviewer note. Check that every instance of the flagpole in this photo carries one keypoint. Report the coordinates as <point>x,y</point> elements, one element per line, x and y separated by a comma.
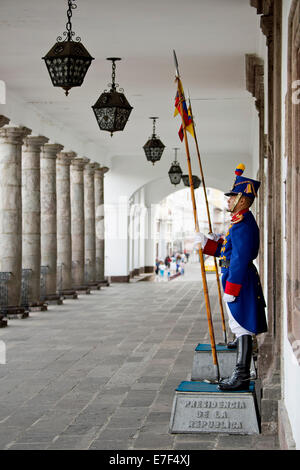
<point>209,224</point>
<point>205,288</point>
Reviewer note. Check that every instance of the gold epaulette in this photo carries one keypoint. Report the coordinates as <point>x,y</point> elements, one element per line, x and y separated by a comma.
<point>238,218</point>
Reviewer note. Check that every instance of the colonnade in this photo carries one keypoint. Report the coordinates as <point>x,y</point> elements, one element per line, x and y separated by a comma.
<point>51,222</point>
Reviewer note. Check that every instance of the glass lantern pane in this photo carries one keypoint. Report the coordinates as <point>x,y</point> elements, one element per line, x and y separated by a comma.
<point>122,116</point>
<point>105,118</point>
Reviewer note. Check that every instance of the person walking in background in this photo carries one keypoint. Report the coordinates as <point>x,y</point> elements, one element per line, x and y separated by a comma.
<point>182,268</point>
<point>157,266</point>
<point>178,260</point>
<point>161,271</point>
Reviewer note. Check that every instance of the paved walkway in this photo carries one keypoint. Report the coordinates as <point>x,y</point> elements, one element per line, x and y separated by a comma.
<point>100,372</point>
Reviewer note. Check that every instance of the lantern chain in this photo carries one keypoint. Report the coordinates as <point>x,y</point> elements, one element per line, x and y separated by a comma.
<point>176,150</point>
<point>69,33</point>
<point>154,122</point>
<point>113,85</point>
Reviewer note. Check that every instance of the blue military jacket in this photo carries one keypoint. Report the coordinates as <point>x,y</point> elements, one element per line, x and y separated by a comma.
<point>240,277</point>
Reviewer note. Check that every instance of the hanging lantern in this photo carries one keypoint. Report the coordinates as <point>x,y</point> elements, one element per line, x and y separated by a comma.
<point>196,181</point>
<point>68,61</point>
<point>154,147</point>
<point>175,172</point>
<point>112,109</point>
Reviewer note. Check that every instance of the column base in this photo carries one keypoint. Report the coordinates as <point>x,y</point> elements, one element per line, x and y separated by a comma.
<point>149,269</point>
<point>38,307</point>
<point>12,312</point>
<point>94,285</point>
<point>82,290</point>
<point>68,294</point>
<point>53,299</point>
<point>103,283</point>
<point>120,278</point>
<point>3,322</point>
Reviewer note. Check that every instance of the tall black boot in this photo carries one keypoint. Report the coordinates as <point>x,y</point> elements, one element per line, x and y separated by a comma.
<point>240,378</point>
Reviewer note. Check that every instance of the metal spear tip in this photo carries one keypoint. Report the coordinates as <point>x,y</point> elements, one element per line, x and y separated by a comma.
<point>176,64</point>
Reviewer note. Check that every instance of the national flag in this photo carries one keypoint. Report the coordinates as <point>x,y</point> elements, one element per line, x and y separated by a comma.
<point>187,117</point>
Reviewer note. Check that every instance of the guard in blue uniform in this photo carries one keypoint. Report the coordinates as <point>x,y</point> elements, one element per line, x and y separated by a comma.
<point>241,283</point>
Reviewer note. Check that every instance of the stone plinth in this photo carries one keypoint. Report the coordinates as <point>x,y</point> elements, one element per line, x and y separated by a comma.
<point>77,224</point>
<point>199,407</point>
<point>11,140</point>
<point>203,368</point>
<point>64,239</point>
<point>49,220</point>
<point>31,219</point>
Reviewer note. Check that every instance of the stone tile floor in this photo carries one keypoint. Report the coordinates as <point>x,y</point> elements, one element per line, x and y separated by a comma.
<point>100,372</point>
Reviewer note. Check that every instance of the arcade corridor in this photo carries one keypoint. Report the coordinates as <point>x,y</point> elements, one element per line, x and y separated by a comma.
<point>100,372</point>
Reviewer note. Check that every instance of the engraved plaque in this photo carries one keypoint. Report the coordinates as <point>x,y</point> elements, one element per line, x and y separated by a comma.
<point>213,411</point>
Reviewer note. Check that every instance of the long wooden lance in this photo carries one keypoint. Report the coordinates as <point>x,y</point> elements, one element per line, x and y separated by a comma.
<point>204,280</point>
<point>209,224</point>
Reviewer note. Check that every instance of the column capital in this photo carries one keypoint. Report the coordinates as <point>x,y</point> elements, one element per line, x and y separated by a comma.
<point>79,163</point>
<point>3,120</point>
<point>263,7</point>
<point>267,27</point>
<point>91,167</point>
<point>14,135</point>
<point>51,150</point>
<point>34,143</point>
<point>101,171</point>
<point>255,78</point>
<point>65,158</point>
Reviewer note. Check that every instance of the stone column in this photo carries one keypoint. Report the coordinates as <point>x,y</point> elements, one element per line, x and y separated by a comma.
<point>77,224</point>
<point>3,121</point>
<point>31,222</point>
<point>64,239</point>
<point>150,239</point>
<point>89,225</point>
<point>11,140</point>
<point>99,220</point>
<point>49,224</point>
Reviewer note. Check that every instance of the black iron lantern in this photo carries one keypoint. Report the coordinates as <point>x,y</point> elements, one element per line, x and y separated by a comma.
<point>175,172</point>
<point>68,61</point>
<point>196,181</point>
<point>112,109</point>
<point>154,147</point>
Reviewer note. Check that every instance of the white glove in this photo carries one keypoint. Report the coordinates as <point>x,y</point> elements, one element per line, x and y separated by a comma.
<point>214,237</point>
<point>228,298</point>
<point>200,238</point>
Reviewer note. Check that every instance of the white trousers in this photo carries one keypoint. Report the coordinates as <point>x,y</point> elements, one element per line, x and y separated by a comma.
<point>235,327</point>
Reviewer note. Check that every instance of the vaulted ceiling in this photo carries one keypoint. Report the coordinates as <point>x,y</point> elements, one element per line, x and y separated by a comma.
<point>211,38</point>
